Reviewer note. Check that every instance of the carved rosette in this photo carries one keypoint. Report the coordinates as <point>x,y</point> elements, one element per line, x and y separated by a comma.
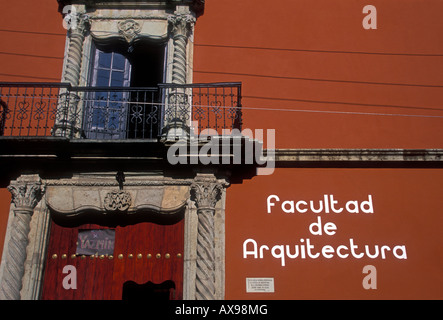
<point>129,29</point>
<point>205,194</point>
<point>25,196</point>
<point>117,201</point>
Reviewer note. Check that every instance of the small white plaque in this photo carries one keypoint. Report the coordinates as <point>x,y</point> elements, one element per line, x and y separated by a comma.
<point>259,284</point>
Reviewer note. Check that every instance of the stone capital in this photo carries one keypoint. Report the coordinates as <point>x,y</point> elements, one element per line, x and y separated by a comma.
<point>206,194</point>
<point>78,23</point>
<point>181,24</point>
<point>26,194</point>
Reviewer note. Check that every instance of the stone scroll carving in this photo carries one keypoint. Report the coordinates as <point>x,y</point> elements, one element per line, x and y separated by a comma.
<point>117,201</point>
<point>205,192</point>
<point>129,29</point>
<point>26,193</point>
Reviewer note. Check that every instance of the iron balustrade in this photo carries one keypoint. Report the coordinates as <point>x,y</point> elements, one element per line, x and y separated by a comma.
<point>57,109</point>
<point>211,107</point>
<point>120,113</point>
<point>29,109</point>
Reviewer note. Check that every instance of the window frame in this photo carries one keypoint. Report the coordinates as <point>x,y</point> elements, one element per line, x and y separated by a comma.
<point>114,118</point>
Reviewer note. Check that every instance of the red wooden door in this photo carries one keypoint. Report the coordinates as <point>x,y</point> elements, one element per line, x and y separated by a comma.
<point>144,253</point>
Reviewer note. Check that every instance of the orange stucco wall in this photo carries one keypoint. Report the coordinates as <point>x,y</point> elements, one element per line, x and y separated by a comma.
<point>313,73</point>
<point>406,211</point>
<point>33,41</point>
<point>296,55</point>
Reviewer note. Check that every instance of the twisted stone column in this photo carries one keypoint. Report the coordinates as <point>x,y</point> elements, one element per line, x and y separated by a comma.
<point>68,121</point>
<point>181,25</point>
<point>25,196</point>
<point>205,193</point>
<point>177,109</point>
<point>76,36</point>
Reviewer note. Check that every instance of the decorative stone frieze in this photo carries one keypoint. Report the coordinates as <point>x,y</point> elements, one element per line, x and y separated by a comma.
<point>75,198</point>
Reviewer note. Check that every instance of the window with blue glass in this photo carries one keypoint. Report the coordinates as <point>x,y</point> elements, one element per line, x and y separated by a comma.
<point>123,101</point>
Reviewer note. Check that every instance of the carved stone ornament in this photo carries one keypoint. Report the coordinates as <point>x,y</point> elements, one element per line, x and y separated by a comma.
<point>26,193</point>
<point>117,201</point>
<point>77,22</point>
<point>129,29</point>
<point>181,24</point>
<point>26,196</point>
<point>206,194</point>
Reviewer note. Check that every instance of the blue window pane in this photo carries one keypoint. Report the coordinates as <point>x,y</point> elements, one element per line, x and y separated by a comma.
<point>102,78</point>
<point>118,62</point>
<point>117,79</point>
<point>104,60</point>
<point>108,115</point>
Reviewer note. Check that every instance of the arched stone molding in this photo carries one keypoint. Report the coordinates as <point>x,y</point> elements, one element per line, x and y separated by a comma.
<point>128,27</point>
<point>100,199</point>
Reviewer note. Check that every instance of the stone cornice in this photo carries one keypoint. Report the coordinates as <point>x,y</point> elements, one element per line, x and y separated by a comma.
<point>196,5</point>
<point>356,157</point>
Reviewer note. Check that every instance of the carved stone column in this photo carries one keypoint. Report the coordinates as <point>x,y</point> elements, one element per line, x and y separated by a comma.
<point>205,192</point>
<point>26,193</point>
<point>68,121</point>
<point>181,25</point>
<point>178,103</point>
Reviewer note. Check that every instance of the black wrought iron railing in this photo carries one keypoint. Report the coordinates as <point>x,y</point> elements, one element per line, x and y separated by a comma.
<point>120,113</point>
<point>29,109</point>
<point>57,109</point>
<point>211,107</point>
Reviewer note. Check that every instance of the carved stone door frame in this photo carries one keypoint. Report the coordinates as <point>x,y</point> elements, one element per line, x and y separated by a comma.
<point>35,200</point>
